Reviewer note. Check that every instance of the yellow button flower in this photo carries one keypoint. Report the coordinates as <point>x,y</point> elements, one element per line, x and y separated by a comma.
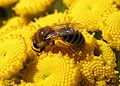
<point>12,56</point>
<point>110,27</point>
<point>31,7</point>
<point>24,34</point>
<point>104,51</point>
<point>90,12</point>
<point>96,70</point>
<point>51,20</point>
<point>12,24</point>
<point>53,70</point>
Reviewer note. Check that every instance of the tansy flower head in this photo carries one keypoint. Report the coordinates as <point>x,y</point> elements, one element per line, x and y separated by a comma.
<point>89,13</point>
<point>12,56</point>
<point>52,20</point>
<point>104,51</point>
<point>24,34</point>
<point>12,24</point>
<point>16,21</point>
<point>90,42</point>
<point>110,27</point>
<point>95,70</point>
<point>53,70</point>
<point>31,7</point>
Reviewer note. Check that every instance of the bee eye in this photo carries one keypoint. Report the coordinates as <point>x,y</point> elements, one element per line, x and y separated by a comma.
<point>35,45</point>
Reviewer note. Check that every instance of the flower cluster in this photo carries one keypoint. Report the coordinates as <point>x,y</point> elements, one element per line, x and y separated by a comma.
<point>12,56</point>
<point>53,70</point>
<point>31,7</point>
<point>90,64</point>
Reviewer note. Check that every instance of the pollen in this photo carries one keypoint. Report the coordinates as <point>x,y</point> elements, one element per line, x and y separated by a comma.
<point>101,83</point>
<point>12,56</point>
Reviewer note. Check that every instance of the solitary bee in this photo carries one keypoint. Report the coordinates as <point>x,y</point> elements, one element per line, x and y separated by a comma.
<point>47,36</point>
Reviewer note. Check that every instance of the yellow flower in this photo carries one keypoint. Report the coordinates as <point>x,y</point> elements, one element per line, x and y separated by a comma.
<point>96,70</point>
<point>16,21</point>
<point>12,56</point>
<point>7,2</point>
<point>51,20</point>
<point>89,45</point>
<point>24,34</point>
<point>53,70</point>
<point>110,27</point>
<point>90,12</point>
<point>104,51</point>
<point>12,24</point>
<point>31,7</point>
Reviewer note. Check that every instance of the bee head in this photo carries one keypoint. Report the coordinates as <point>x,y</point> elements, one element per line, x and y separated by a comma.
<point>41,39</point>
<point>39,47</point>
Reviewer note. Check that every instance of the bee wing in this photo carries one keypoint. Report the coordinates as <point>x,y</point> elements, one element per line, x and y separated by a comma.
<point>51,36</point>
<point>65,31</point>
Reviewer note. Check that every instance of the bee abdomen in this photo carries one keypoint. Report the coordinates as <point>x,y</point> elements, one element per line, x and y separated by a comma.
<point>74,38</point>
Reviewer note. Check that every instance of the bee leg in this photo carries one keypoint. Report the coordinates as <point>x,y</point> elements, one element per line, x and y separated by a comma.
<point>51,45</point>
<point>74,51</point>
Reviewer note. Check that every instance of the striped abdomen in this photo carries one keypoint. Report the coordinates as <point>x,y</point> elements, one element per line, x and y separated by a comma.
<point>71,36</point>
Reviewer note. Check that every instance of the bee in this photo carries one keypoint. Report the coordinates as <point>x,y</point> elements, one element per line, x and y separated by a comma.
<point>47,35</point>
